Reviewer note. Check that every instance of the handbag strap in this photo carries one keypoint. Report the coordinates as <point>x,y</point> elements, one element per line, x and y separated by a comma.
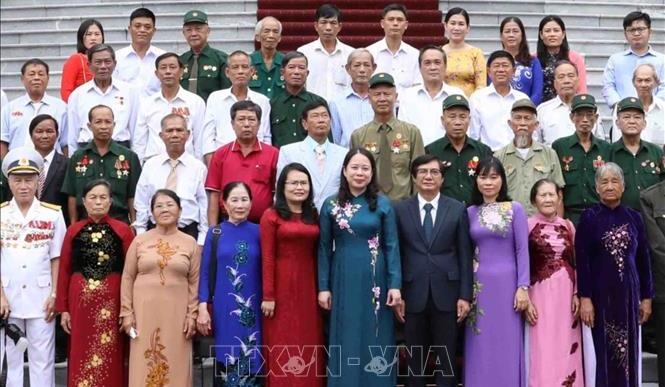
<point>216,233</point>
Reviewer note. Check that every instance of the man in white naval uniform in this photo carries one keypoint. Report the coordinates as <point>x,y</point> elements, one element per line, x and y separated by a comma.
<point>31,237</point>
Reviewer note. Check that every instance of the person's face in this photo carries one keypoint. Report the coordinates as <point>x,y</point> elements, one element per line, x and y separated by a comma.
<point>239,70</point>
<point>102,65</point>
<point>23,186</point>
<point>382,98</point>
<point>196,35</point>
<point>631,122</point>
<point>432,66</point>
<point>296,187</point>
<point>457,28</point>
<point>327,28</point>
<point>175,134</point>
<point>92,36</point>
<point>547,199</point>
<point>489,185</point>
<point>610,188</point>
<point>295,72</point>
<point>269,36</point>
<point>97,201</point>
<point>361,68</point>
<point>552,34</point>
<point>638,34</point>
<point>511,36</point>
<point>165,210</point>
<point>584,120</point>
<point>565,80</point>
<point>644,80</point>
<point>429,178</point>
<point>44,136</point>
<point>523,122</point>
<point>358,172</point>
<point>35,79</point>
<point>456,121</point>
<point>245,125</point>
<point>142,29</point>
<point>238,204</point>
<point>501,71</point>
<point>169,72</point>
<point>394,24</point>
<point>317,122</point>
<point>102,124</point>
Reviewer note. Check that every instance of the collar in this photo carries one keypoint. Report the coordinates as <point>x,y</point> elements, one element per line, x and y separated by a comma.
<point>91,85</point>
<point>492,90</point>
<point>623,146</point>
<point>535,147</point>
<point>445,142</point>
<point>34,206</point>
<point>383,46</point>
<point>391,124</point>
<point>312,144</point>
<point>575,140</point>
<point>180,95</point>
<point>257,58</point>
<point>25,99</point>
<point>650,51</point>
<point>434,202</point>
<point>541,218</point>
<point>113,147</point>
<point>257,147</point>
<point>152,50</point>
<point>49,157</point>
<point>318,46</point>
<point>349,93</point>
<point>164,158</point>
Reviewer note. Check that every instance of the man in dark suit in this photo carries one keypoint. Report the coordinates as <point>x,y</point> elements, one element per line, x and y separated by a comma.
<point>437,272</point>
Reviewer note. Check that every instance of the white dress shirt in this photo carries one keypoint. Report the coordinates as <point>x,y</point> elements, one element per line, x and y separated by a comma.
<point>147,143</point>
<point>416,106</point>
<point>654,131</point>
<point>435,205</point>
<point>349,111</point>
<point>490,112</point>
<point>138,71</point>
<point>16,117</point>
<point>327,74</point>
<point>554,122</point>
<point>121,97</point>
<point>191,176</point>
<point>3,99</point>
<point>217,128</point>
<point>402,65</point>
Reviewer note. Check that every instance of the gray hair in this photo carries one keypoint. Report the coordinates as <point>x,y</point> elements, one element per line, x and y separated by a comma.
<point>355,53</point>
<point>259,25</point>
<point>654,73</point>
<point>611,167</point>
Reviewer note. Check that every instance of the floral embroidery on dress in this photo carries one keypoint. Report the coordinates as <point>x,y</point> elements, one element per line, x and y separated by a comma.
<point>570,380</point>
<point>99,252</point>
<point>616,241</point>
<point>158,364</point>
<point>238,368</point>
<point>476,311</point>
<point>496,217</point>
<point>343,214</point>
<point>617,337</point>
<point>373,244</point>
<point>167,252</point>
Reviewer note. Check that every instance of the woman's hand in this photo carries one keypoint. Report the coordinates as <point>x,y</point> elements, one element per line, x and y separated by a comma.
<point>586,311</point>
<point>645,310</point>
<point>521,300</point>
<point>203,322</point>
<point>268,308</point>
<point>575,306</point>
<point>325,300</point>
<point>128,323</point>
<point>66,322</point>
<point>531,314</point>
<point>189,327</point>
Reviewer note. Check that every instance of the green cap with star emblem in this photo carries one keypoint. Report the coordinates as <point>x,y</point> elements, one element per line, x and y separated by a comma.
<point>22,161</point>
<point>582,101</point>
<point>381,79</point>
<point>455,100</point>
<point>630,103</point>
<point>195,16</point>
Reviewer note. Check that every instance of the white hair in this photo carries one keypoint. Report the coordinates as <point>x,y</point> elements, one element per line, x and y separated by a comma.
<point>259,25</point>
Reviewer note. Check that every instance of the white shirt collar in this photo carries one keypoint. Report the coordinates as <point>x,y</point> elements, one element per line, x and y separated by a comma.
<point>318,46</point>
<point>434,202</point>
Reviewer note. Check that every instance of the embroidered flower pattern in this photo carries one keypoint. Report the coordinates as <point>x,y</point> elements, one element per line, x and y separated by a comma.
<point>496,217</point>
<point>617,337</point>
<point>476,311</point>
<point>237,371</point>
<point>343,214</point>
<point>373,244</point>
<point>616,242</point>
<point>166,251</point>
<point>158,364</point>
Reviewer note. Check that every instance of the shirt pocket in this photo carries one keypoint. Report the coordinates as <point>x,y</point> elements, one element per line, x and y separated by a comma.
<point>261,174</point>
<point>44,281</point>
<point>277,120</point>
<point>541,170</point>
<point>340,75</point>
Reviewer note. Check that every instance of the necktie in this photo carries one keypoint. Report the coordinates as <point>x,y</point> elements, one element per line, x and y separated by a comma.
<point>320,157</point>
<point>385,168</point>
<point>428,224</point>
<point>194,75</point>
<point>172,178</point>
<point>42,179</point>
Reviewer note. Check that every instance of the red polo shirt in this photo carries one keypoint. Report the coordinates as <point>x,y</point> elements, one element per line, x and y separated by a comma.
<point>258,170</point>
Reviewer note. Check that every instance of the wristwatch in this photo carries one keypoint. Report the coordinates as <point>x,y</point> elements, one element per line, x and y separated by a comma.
<point>524,287</point>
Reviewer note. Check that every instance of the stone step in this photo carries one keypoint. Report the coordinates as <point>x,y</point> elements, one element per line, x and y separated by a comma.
<point>561,8</point>
<point>495,17</point>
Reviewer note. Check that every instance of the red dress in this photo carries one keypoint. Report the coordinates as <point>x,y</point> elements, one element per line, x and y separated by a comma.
<point>293,336</point>
<point>91,263</point>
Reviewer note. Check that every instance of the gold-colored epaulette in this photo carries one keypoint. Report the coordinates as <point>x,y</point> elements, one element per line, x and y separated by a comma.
<point>51,206</point>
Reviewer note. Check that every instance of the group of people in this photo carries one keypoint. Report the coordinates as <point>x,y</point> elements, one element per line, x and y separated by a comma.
<point>295,205</point>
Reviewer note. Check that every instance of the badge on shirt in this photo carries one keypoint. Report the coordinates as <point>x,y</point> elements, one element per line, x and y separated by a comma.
<point>472,164</point>
<point>121,166</point>
<point>82,166</point>
<point>598,162</point>
<point>17,113</point>
<point>370,146</point>
<point>567,160</point>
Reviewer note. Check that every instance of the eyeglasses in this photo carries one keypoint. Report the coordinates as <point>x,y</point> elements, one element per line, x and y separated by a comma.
<point>296,183</point>
<point>636,30</point>
<point>431,172</point>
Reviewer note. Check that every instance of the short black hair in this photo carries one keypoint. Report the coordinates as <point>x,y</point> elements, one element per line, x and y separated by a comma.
<point>500,54</point>
<point>635,16</point>
<point>226,191</point>
<point>434,47</point>
<point>313,105</point>
<point>291,55</point>
<point>245,105</point>
<point>34,62</point>
<point>239,53</point>
<point>142,12</point>
<point>394,7</point>
<point>94,183</point>
<point>100,48</point>
<point>424,159</point>
<point>484,167</point>
<point>100,106</point>
<point>80,34</point>
<point>328,11</point>
<point>457,11</point>
<point>167,55</point>
<point>309,214</point>
<point>164,192</point>
<point>39,119</point>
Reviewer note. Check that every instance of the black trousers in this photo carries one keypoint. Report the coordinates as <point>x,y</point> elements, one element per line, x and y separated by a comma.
<point>433,330</point>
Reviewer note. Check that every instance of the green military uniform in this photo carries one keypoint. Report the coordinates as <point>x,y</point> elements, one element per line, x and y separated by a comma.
<point>540,162</point>
<point>120,166</point>
<point>285,122</point>
<point>458,168</point>
<point>640,171</point>
<point>579,172</point>
<point>211,76</point>
<point>406,144</point>
<point>264,81</point>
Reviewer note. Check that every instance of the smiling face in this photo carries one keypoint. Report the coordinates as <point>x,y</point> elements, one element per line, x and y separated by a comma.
<point>457,28</point>
<point>238,204</point>
<point>432,66</point>
<point>296,187</point>
<point>35,79</point>
<point>165,210</point>
<point>501,71</point>
<point>44,136</point>
<point>547,199</point>
<point>358,172</point>
<point>97,202</point>
<point>270,35</point>
<point>142,29</point>
<point>552,35</point>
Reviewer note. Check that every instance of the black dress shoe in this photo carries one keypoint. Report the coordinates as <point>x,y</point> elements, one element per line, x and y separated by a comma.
<point>60,357</point>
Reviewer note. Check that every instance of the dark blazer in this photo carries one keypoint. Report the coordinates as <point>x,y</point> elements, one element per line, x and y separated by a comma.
<point>652,203</point>
<point>54,180</point>
<point>445,264</point>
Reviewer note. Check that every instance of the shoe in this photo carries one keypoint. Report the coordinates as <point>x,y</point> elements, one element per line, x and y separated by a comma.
<point>60,358</point>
